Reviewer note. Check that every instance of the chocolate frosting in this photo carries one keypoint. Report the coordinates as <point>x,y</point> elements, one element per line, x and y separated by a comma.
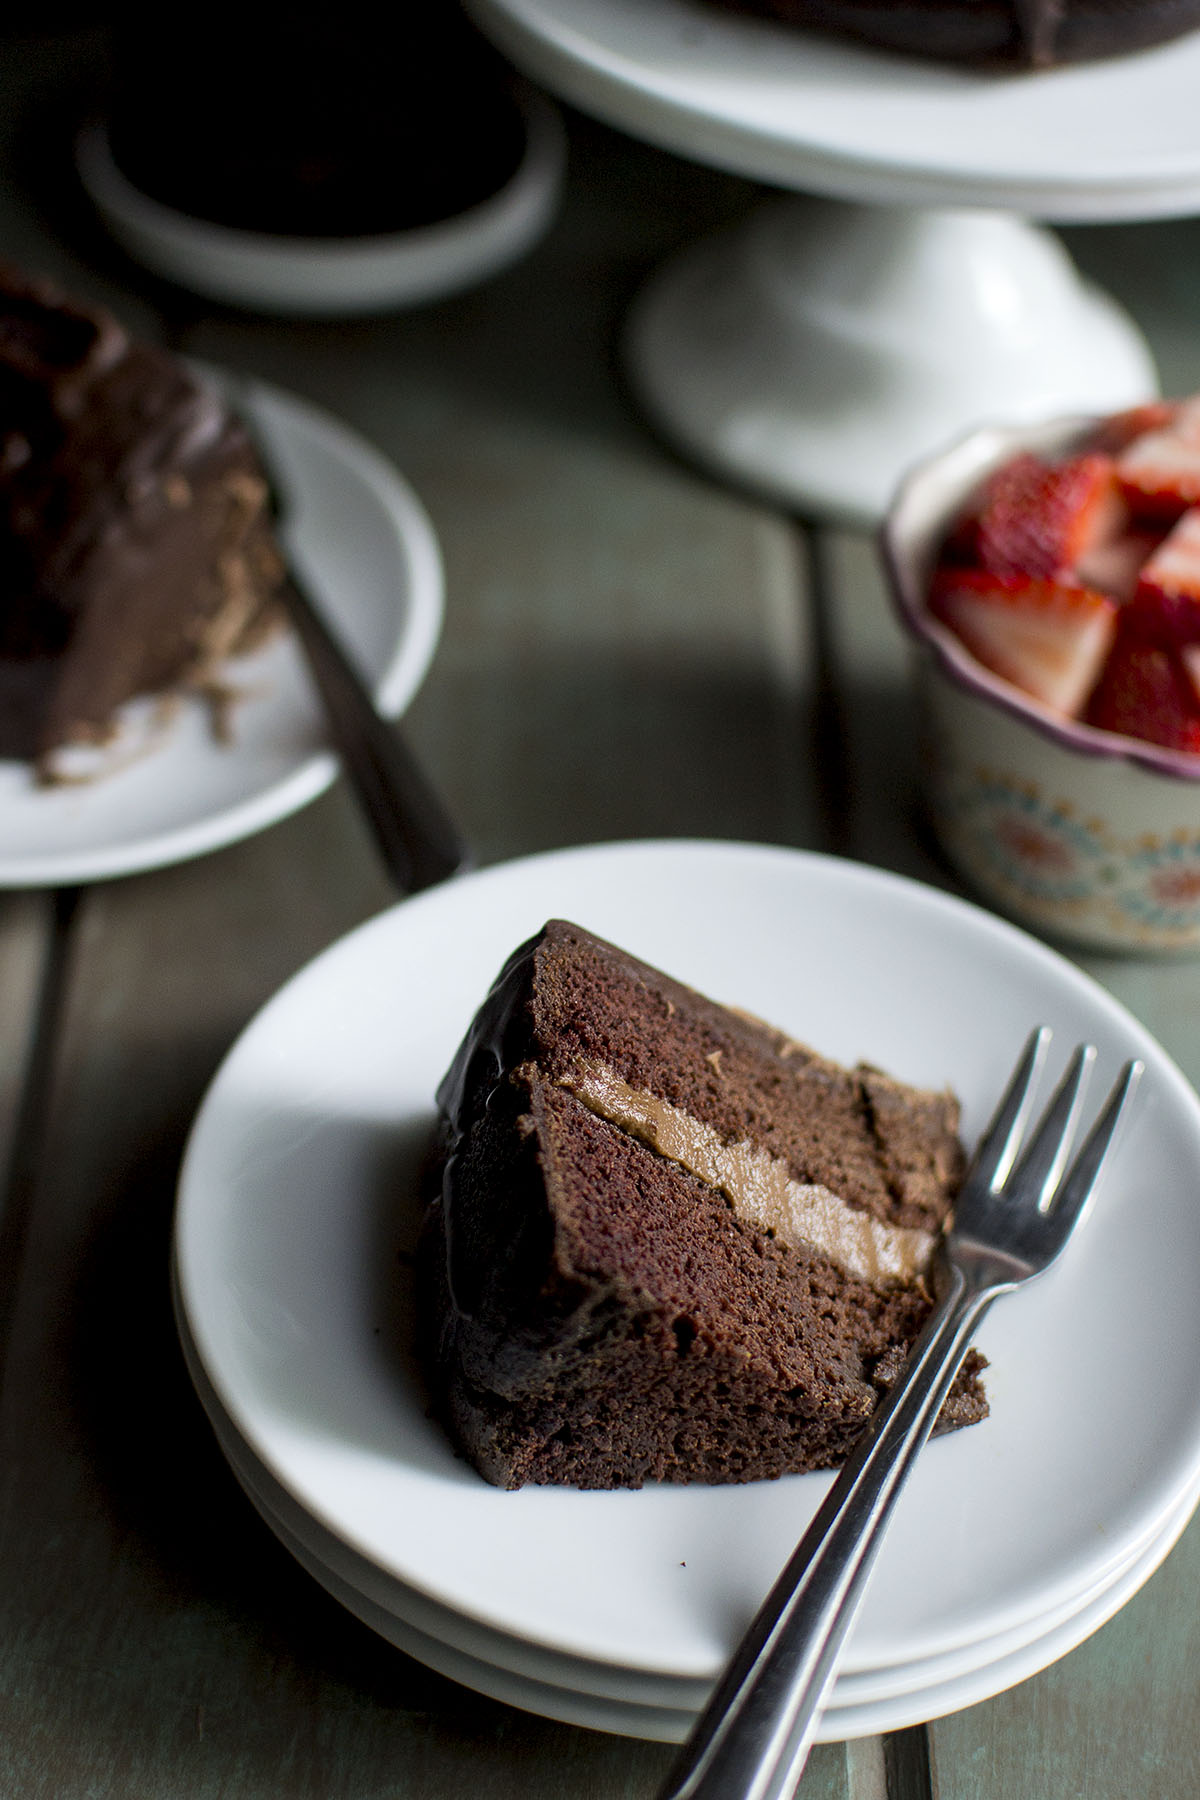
<point>1025,33</point>
<point>135,539</point>
<point>499,1038</point>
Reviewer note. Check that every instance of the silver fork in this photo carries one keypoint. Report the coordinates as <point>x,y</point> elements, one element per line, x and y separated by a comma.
<point>1011,1220</point>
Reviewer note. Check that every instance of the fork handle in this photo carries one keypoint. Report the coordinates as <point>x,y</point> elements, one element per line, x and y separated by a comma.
<point>753,1738</point>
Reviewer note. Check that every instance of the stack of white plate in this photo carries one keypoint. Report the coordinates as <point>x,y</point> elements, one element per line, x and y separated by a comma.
<point>1016,1539</point>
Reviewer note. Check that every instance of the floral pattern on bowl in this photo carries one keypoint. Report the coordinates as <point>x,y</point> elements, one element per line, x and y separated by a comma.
<point>1066,876</point>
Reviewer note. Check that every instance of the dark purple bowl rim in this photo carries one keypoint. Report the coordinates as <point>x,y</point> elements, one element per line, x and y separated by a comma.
<point>906,588</point>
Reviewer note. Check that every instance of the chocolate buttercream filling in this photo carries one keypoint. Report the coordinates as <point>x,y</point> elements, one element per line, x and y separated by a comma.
<point>759,1186</point>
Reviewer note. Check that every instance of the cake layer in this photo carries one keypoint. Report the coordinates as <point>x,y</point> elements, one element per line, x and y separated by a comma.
<point>668,1242</point>
<point>757,1184</point>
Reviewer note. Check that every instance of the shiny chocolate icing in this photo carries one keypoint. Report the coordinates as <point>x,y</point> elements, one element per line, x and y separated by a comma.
<point>499,1038</point>
<point>1026,33</point>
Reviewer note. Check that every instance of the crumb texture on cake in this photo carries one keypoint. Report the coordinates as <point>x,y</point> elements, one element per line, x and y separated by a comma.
<point>664,1241</point>
<point>136,548</point>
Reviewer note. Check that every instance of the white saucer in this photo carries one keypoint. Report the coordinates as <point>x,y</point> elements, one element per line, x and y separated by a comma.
<point>631,1718</point>
<point>622,1700</point>
<point>369,551</point>
<point>298,1192</point>
<point>335,277</point>
<point>973,1686</point>
<point>578,1695</point>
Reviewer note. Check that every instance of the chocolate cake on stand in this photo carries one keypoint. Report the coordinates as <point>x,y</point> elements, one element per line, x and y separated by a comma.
<point>901,292</point>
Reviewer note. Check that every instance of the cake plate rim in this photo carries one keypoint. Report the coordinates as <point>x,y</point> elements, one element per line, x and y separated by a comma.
<point>856,1693</point>
<point>813,367</point>
<point>789,106</point>
<point>489,1667</point>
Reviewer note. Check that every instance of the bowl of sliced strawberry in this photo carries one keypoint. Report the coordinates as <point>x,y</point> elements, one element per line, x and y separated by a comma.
<point>1049,578</point>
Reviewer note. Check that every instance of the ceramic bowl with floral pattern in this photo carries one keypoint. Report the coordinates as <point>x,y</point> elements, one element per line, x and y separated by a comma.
<point>1078,833</point>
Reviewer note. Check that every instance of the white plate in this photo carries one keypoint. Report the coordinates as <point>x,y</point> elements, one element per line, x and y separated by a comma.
<point>569,1705</point>
<point>668,1725</point>
<point>369,552</point>
<point>335,277</point>
<point>298,1191</point>
<point>809,112</point>
<point>573,1692</point>
<point>631,1718</point>
<point>603,1682</point>
<point>657,1706</point>
<point>972,1686</point>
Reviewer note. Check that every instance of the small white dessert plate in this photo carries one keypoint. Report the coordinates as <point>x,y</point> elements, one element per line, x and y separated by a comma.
<point>631,1701</point>
<point>370,556</point>
<point>298,1197</point>
<point>335,277</point>
<point>632,1717</point>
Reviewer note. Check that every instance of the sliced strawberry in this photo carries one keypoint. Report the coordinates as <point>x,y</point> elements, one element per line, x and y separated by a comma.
<point>1189,656</point>
<point>1040,518</point>
<point>1119,431</point>
<point>1159,474</point>
<point>1115,567</point>
<point>1049,638</point>
<point>961,544</point>
<point>1166,604</point>
<point>1144,692</point>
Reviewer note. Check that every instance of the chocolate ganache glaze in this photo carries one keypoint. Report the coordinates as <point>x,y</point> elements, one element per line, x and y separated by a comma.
<point>1026,33</point>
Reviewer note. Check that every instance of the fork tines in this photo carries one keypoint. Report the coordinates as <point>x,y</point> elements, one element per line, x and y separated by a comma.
<point>1004,1160</point>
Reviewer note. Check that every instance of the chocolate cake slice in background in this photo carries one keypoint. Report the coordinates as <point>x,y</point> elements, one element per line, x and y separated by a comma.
<point>665,1242</point>
<point>136,549</point>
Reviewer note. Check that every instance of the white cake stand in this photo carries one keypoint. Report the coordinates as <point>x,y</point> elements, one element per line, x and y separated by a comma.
<point>823,346</point>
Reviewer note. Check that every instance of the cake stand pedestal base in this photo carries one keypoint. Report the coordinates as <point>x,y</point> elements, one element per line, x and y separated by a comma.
<point>819,349</point>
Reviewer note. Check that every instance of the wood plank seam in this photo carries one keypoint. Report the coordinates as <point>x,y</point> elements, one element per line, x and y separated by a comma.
<point>19,1189</point>
<point>831,768</point>
<point>908,1765</point>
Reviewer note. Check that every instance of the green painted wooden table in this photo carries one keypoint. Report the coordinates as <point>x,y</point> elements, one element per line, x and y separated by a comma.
<point>629,650</point>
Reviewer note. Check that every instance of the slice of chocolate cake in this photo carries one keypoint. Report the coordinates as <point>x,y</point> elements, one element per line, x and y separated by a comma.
<point>668,1243</point>
<point>136,549</point>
